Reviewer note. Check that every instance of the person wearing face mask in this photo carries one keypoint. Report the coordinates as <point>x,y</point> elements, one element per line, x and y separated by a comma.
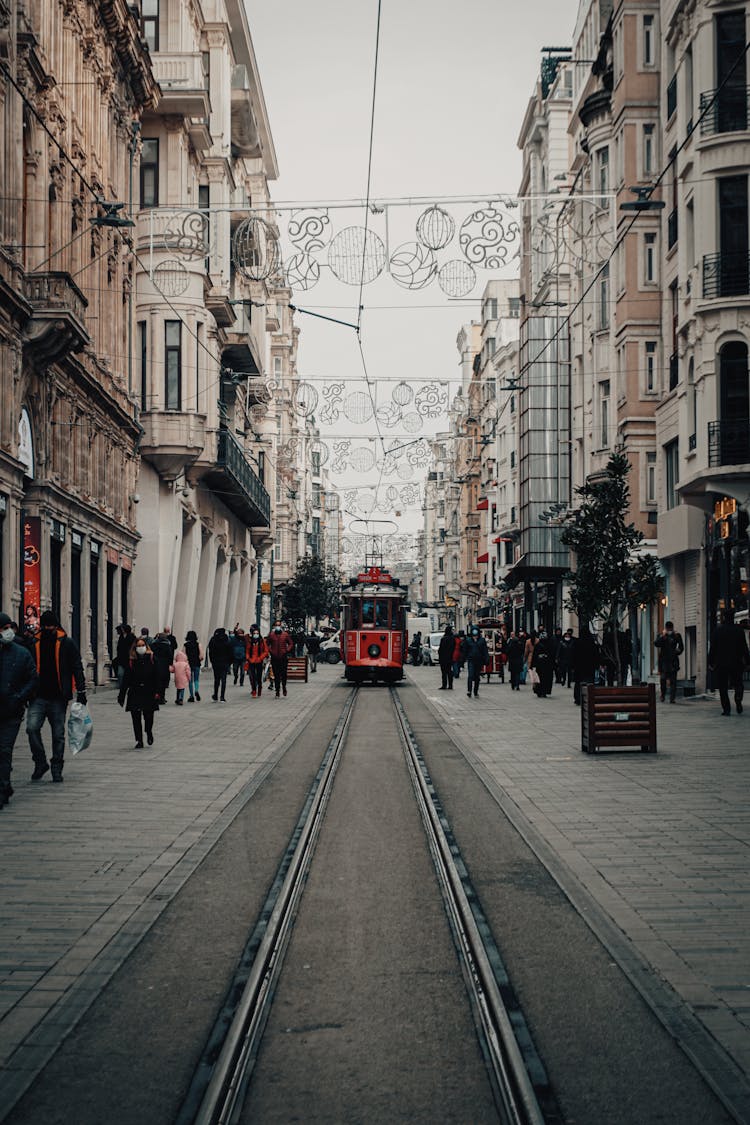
<point>59,667</point>
<point>194,653</point>
<point>220,654</point>
<point>476,655</point>
<point>280,644</point>
<point>140,691</point>
<point>18,681</point>
<point>256,653</point>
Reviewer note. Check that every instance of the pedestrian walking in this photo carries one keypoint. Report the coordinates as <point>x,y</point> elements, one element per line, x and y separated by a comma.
<point>312,644</point>
<point>475,655</point>
<point>587,659</point>
<point>670,648</point>
<point>18,681</point>
<point>564,663</point>
<point>728,657</point>
<point>445,658</point>
<point>514,651</point>
<point>280,644</point>
<point>543,663</point>
<point>125,642</point>
<point>139,693</point>
<point>194,653</point>
<point>256,654</point>
<point>180,669</point>
<point>162,648</point>
<point>457,653</point>
<point>220,653</point>
<point>59,667</point>
<point>237,638</point>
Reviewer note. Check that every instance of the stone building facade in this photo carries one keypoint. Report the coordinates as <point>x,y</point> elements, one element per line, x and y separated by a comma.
<point>74,82</point>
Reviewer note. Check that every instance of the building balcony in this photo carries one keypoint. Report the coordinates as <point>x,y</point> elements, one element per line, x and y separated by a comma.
<point>57,325</point>
<point>726,275</point>
<point>727,110</point>
<point>172,439</point>
<point>240,352</point>
<point>237,484</point>
<point>183,90</point>
<point>728,443</point>
<point>245,132</point>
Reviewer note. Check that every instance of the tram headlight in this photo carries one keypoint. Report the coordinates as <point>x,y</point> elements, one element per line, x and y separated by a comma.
<point>373,651</point>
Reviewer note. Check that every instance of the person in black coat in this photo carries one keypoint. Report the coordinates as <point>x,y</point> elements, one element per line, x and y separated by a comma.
<point>18,681</point>
<point>139,693</point>
<point>162,648</point>
<point>59,666</point>
<point>514,652</point>
<point>728,657</point>
<point>566,659</point>
<point>476,656</point>
<point>125,642</point>
<point>587,659</point>
<point>543,661</point>
<point>671,648</point>
<point>220,652</point>
<point>445,658</point>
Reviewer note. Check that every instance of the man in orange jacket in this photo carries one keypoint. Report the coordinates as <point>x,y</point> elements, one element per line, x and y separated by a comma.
<point>256,652</point>
<point>280,644</point>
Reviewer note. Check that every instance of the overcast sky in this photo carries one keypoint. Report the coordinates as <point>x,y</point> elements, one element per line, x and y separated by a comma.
<point>454,79</point>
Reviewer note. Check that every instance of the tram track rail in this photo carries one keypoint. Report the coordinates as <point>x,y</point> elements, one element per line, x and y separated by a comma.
<point>519,1083</point>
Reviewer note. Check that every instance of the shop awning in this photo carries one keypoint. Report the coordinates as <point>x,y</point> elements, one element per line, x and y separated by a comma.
<point>483,504</point>
<point>526,570</point>
<point>503,539</point>
<point>483,558</point>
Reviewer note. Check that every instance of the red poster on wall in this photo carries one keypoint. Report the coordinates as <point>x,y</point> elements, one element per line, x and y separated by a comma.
<point>32,561</point>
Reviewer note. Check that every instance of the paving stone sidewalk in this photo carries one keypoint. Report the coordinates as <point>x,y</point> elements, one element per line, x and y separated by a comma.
<point>659,842</point>
<point>87,866</point>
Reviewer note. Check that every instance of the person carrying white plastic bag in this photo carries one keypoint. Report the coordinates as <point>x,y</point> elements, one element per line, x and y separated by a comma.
<point>80,727</point>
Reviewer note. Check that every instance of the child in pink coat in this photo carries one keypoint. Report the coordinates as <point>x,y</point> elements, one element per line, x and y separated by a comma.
<point>181,672</point>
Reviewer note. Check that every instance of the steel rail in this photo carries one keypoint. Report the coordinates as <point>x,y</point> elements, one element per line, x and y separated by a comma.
<point>231,1071</point>
<point>515,1093</point>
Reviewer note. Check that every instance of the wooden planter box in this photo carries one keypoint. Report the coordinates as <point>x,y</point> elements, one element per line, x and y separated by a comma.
<point>296,668</point>
<point>618,717</point>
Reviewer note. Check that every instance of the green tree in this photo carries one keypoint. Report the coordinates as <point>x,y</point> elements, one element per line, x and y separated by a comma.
<point>610,574</point>
<point>314,591</point>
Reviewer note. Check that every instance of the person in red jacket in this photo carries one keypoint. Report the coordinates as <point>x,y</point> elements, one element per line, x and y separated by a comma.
<point>256,652</point>
<point>280,644</point>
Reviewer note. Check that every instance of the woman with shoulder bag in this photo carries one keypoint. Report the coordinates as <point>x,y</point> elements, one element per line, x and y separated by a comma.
<point>140,691</point>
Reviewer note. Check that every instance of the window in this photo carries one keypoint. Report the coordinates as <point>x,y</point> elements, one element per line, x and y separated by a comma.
<point>441,564</point>
<point>150,23</point>
<point>277,366</point>
<point>649,41</point>
<point>649,258</point>
<point>649,151</point>
<point>604,297</point>
<point>316,462</point>
<point>143,353</point>
<point>262,466</point>
<point>172,364</point>
<point>650,350</point>
<point>672,472</point>
<point>692,405</point>
<point>316,495</point>
<point>198,350</point>
<point>650,478</point>
<point>206,68</point>
<point>150,173</point>
<point>490,308</point>
<point>604,414</point>
<point>602,174</point>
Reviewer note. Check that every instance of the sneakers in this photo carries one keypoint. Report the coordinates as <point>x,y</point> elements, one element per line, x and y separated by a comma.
<point>39,771</point>
<point>57,775</point>
<point>197,696</point>
<point>191,699</point>
<point>215,698</point>
<point>149,739</point>
<point>284,690</point>
<point>739,708</point>
<point>253,694</point>
<point>139,746</point>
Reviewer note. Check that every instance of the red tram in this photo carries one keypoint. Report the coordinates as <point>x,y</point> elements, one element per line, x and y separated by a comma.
<point>373,627</point>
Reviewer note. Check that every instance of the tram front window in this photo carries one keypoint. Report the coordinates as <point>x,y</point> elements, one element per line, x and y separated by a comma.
<point>381,614</point>
<point>368,612</point>
<point>354,614</point>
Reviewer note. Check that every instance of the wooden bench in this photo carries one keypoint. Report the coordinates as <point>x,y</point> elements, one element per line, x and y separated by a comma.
<point>613,717</point>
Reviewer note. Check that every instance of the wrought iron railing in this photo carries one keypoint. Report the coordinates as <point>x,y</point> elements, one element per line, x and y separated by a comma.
<point>728,443</point>
<point>726,275</point>
<point>230,457</point>
<point>726,110</point>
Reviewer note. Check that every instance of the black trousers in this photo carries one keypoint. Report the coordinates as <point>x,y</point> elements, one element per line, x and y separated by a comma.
<point>473,671</point>
<point>446,671</point>
<point>148,723</point>
<point>671,679</point>
<point>220,682</point>
<point>255,672</point>
<point>279,666</point>
<point>725,677</point>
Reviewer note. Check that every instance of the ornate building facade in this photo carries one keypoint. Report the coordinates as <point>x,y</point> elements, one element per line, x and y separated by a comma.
<point>74,81</point>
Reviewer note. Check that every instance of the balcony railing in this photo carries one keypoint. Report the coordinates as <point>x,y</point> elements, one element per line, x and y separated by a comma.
<point>671,229</point>
<point>245,496</point>
<point>58,322</point>
<point>671,97</point>
<point>728,443</point>
<point>727,112</point>
<point>726,275</point>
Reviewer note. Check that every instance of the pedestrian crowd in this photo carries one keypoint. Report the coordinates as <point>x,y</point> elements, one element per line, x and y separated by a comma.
<point>41,671</point>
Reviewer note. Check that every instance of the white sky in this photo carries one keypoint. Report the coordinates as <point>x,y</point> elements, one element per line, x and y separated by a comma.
<point>453,84</point>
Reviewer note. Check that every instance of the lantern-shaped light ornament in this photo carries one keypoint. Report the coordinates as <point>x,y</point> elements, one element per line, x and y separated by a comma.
<point>435,228</point>
<point>255,249</point>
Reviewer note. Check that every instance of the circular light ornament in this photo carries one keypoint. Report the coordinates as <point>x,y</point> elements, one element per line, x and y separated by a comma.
<point>362,459</point>
<point>402,394</point>
<point>457,278</point>
<point>435,228</point>
<point>305,400</point>
<point>412,266</point>
<point>302,272</point>
<point>358,407</point>
<point>171,278</point>
<point>255,249</point>
<point>355,254</point>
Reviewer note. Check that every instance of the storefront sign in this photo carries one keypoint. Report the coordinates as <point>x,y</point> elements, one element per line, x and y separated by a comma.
<point>32,561</point>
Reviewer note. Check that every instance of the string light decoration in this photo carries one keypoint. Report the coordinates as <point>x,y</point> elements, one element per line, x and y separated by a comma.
<point>310,229</point>
<point>305,400</point>
<point>302,272</point>
<point>171,278</point>
<point>487,236</point>
<point>356,254</point>
<point>402,393</point>
<point>255,249</point>
<point>412,266</point>
<point>187,233</point>
<point>435,228</point>
<point>457,278</point>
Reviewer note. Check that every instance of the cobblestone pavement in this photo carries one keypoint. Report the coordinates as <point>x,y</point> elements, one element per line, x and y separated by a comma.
<point>652,849</point>
<point>656,847</point>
